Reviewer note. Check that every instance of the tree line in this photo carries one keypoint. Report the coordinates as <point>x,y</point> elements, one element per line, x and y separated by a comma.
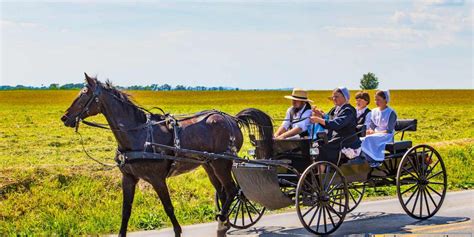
<point>152,87</point>
<point>368,82</point>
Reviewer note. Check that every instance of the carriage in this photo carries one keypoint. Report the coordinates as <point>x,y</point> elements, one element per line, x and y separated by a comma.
<point>275,175</point>
<point>324,193</point>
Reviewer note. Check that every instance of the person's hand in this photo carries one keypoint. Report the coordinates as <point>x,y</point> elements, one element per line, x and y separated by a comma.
<point>370,131</point>
<point>315,119</point>
<point>279,137</point>
<point>318,112</point>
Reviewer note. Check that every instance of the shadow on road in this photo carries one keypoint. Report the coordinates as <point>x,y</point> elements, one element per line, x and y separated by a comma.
<point>359,223</point>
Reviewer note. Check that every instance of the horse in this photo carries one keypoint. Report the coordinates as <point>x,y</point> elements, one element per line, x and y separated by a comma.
<point>208,131</point>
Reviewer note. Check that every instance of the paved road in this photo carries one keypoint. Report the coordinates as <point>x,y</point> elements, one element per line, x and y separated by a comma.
<point>371,217</point>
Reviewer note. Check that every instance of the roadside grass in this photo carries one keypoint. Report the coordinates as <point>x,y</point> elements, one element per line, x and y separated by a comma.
<point>48,186</point>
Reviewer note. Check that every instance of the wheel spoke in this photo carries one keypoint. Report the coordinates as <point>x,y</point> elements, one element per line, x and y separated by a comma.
<point>416,200</point>
<point>310,185</point>
<point>426,202</point>
<point>429,194</point>
<point>232,209</point>
<point>237,212</point>
<point>314,215</point>
<point>339,204</point>
<point>434,166</point>
<point>335,212</point>
<point>418,169</point>
<point>360,192</point>
<point>248,212</point>
<point>413,194</point>
<point>324,219</point>
<point>413,166</point>
<point>432,176</point>
<point>330,217</point>
<point>255,209</point>
<point>330,181</point>
<point>436,183</point>
<point>421,201</point>
<point>352,197</point>
<point>314,180</point>
<point>334,188</point>
<point>410,188</point>
<point>243,213</point>
<point>408,172</point>
<point>309,210</point>
<point>423,162</point>
<point>319,218</point>
<point>434,190</point>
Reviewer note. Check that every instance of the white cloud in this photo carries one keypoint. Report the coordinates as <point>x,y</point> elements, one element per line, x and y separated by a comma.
<point>441,2</point>
<point>421,26</point>
<point>4,24</point>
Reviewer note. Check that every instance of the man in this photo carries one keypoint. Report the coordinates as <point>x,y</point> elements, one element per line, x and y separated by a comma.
<point>296,121</point>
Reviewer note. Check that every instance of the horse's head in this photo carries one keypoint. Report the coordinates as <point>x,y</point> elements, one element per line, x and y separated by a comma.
<point>86,104</point>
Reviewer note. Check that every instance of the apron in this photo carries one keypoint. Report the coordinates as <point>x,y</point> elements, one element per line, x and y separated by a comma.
<point>374,145</point>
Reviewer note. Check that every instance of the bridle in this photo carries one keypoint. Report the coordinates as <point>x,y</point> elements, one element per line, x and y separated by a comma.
<point>85,110</point>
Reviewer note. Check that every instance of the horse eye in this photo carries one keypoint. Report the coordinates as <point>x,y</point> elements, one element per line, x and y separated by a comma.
<point>84,90</point>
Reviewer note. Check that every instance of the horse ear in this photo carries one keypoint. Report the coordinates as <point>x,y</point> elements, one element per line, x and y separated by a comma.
<point>90,81</point>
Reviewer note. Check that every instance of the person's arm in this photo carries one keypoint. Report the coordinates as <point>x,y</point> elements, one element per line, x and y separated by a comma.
<point>292,132</point>
<point>304,124</point>
<point>340,121</point>
<point>280,131</point>
<point>284,125</point>
<point>392,121</point>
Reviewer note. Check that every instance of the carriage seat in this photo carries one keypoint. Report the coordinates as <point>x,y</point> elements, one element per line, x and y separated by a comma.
<point>395,147</point>
<point>402,125</point>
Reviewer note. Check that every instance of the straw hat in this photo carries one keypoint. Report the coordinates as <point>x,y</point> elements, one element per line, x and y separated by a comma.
<point>299,94</point>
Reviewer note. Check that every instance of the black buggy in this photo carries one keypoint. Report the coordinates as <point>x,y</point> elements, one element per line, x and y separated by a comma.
<point>323,193</point>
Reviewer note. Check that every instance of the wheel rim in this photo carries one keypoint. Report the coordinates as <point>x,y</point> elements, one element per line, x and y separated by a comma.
<point>318,194</point>
<point>421,182</point>
<point>243,213</point>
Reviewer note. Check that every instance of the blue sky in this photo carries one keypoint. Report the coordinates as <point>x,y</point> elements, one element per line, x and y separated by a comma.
<point>246,44</point>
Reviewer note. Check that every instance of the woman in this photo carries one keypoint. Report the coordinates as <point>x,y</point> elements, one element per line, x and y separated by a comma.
<point>380,129</point>
<point>363,113</point>
<point>341,124</point>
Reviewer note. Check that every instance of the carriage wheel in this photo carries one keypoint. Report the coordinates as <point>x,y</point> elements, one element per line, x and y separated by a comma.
<point>421,182</point>
<point>317,195</point>
<point>356,193</point>
<point>243,213</point>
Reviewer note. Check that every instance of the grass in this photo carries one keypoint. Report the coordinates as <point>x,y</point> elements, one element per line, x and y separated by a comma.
<point>48,186</point>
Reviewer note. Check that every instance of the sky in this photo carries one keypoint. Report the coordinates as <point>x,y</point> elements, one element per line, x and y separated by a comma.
<point>420,44</point>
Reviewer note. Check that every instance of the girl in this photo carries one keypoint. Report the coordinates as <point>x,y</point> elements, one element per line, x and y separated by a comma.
<point>380,129</point>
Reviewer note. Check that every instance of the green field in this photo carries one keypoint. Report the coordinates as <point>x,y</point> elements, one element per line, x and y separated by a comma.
<point>48,186</point>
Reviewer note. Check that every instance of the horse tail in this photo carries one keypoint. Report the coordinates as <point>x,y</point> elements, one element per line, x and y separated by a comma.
<point>260,129</point>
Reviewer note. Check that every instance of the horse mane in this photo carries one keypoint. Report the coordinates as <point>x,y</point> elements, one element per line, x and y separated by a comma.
<point>117,92</point>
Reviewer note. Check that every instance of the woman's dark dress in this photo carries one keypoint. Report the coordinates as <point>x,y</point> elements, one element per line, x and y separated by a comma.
<point>340,125</point>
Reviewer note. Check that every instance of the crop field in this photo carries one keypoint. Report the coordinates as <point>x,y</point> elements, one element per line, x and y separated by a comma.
<point>48,186</point>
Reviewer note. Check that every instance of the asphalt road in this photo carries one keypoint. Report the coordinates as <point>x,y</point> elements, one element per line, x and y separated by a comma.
<point>370,217</point>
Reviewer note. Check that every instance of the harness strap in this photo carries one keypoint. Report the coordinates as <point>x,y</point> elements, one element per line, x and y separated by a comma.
<point>123,157</point>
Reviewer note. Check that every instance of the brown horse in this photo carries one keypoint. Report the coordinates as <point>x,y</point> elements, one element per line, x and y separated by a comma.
<point>210,131</point>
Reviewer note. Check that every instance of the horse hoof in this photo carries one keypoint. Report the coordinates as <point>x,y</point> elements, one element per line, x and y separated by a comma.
<point>222,228</point>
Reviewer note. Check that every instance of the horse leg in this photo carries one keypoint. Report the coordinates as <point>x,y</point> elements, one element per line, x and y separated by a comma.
<point>161,189</point>
<point>129,183</point>
<point>222,170</point>
<point>216,183</point>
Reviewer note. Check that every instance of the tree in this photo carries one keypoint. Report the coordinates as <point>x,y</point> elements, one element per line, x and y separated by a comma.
<point>54,86</point>
<point>369,82</point>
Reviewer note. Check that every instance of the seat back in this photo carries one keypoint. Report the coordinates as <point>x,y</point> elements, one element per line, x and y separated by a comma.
<point>406,125</point>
